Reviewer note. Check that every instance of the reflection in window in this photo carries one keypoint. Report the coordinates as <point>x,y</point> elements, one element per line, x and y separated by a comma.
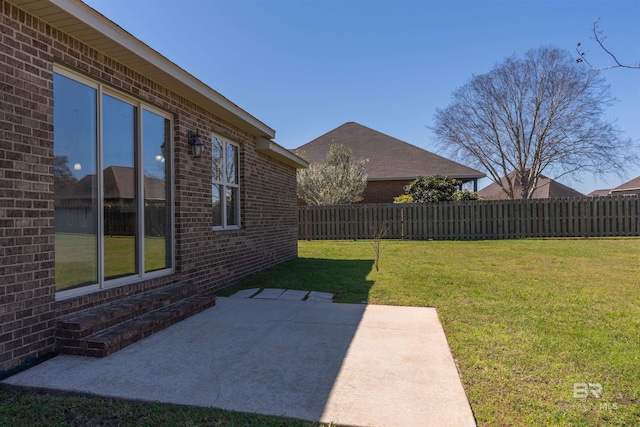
<point>218,157</point>
<point>232,164</point>
<point>123,172</point>
<point>226,184</point>
<point>232,203</point>
<point>217,205</point>
<point>157,213</point>
<point>75,183</point>
<point>119,194</point>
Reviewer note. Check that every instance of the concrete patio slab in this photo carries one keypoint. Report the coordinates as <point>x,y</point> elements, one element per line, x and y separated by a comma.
<point>269,293</point>
<point>315,296</point>
<point>293,295</point>
<point>245,293</point>
<point>351,364</point>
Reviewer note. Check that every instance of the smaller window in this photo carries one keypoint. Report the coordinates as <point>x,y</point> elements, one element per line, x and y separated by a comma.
<point>225,189</point>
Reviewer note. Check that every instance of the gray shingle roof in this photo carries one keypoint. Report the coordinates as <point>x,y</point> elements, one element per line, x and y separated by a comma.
<point>599,193</point>
<point>389,158</point>
<point>629,186</point>
<point>547,188</point>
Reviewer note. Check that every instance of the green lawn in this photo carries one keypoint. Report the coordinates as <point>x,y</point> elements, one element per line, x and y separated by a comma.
<point>76,257</point>
<point>526,319</point>
<point>20,408</point>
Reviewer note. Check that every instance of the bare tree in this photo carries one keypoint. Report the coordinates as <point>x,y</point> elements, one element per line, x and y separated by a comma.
<point>341,180</point>
<point>377,234</point>
<point>533,114</point>
<point>599,37</point>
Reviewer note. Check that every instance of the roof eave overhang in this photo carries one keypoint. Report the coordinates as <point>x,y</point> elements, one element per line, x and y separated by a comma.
<point>90,27</point>
<point>411,178</point>
<point>620,190</point>
<point>278,152</point>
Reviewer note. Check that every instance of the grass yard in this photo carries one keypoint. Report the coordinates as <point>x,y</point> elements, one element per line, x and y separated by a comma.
<point>19,408</point>
<point>530,322</point>
<point>76,257</point>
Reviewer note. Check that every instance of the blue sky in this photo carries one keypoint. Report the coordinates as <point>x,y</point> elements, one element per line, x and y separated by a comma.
<point>304,67</point>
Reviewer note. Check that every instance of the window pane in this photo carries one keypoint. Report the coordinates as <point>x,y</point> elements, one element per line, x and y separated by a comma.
<point>157,213</point>
<point>232,163</point>
<point>216,192</point>
<point>217,152</point>
<point>232,206</point>
<point>75,184</point>
<point>120,198</point>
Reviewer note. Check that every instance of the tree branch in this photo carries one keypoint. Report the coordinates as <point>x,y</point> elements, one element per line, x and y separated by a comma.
<point>599,38</point>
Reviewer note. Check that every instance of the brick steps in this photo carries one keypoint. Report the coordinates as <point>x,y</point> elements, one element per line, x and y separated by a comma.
<point>103,330</point>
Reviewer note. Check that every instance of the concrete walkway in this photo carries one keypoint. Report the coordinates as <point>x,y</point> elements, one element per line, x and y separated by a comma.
<point>359,365</point>
<point>284,294</point>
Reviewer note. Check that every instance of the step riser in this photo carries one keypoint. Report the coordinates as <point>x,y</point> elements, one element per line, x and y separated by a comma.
<point>102,346</point>
<point>117,325</point>
<point>79,325</point>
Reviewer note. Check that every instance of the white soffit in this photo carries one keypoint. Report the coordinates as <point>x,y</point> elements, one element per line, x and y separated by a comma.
<point>278,152</point>
<point>90,27</point>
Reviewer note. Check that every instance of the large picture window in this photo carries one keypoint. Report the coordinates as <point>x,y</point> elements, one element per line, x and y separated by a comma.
<point>112,181</point>
<point>226,184</point>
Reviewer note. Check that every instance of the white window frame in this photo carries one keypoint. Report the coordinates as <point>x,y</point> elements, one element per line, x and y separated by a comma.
<point>102,89</point>
<point>224,183</point>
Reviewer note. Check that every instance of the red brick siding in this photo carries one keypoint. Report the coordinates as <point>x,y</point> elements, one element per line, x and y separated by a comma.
<point>210,259</point>
<point>377,192</point>
<point>383,191</point>
<point>26,191</point>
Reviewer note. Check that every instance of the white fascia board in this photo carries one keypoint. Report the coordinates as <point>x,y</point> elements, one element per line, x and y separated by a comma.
<point>412,178</point>
<point>278,152</point>
<point>619,190</point>
<point>120,36</point>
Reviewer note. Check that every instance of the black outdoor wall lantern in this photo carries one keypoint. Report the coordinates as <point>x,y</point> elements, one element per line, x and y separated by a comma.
<point>197,146</point>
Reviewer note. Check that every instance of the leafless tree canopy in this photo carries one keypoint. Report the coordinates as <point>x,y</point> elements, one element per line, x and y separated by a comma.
<point>536,114</point>
<point>599,37</point>
<point>341,180</point>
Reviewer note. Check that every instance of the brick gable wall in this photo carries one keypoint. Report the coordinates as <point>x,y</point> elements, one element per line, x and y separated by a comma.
<point>210,259</point>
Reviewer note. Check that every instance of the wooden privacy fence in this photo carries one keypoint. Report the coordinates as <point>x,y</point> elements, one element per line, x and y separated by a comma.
<point>480,219</point>
<point>118,220</point>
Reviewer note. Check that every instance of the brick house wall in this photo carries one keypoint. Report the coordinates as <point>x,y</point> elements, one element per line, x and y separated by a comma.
<point>27,286</point>
<point>377,192</point>
<point>383,191</point>
<point>210,259</point>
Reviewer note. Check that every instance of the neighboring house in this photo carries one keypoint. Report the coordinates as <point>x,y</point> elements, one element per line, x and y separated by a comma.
<point>599,193</point>
<point>628,188</point>
<point>91,115</point>
<point>73,203</point>
<point>119,185</point>
<point>547,188</point>
<point>392,163</point>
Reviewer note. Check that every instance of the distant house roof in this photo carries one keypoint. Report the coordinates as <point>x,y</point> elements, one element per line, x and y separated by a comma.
<point>547,188</point>
<point>389,158</point>
<point>599,193</point>
<point>632,186</point>
<point>119,184</point>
